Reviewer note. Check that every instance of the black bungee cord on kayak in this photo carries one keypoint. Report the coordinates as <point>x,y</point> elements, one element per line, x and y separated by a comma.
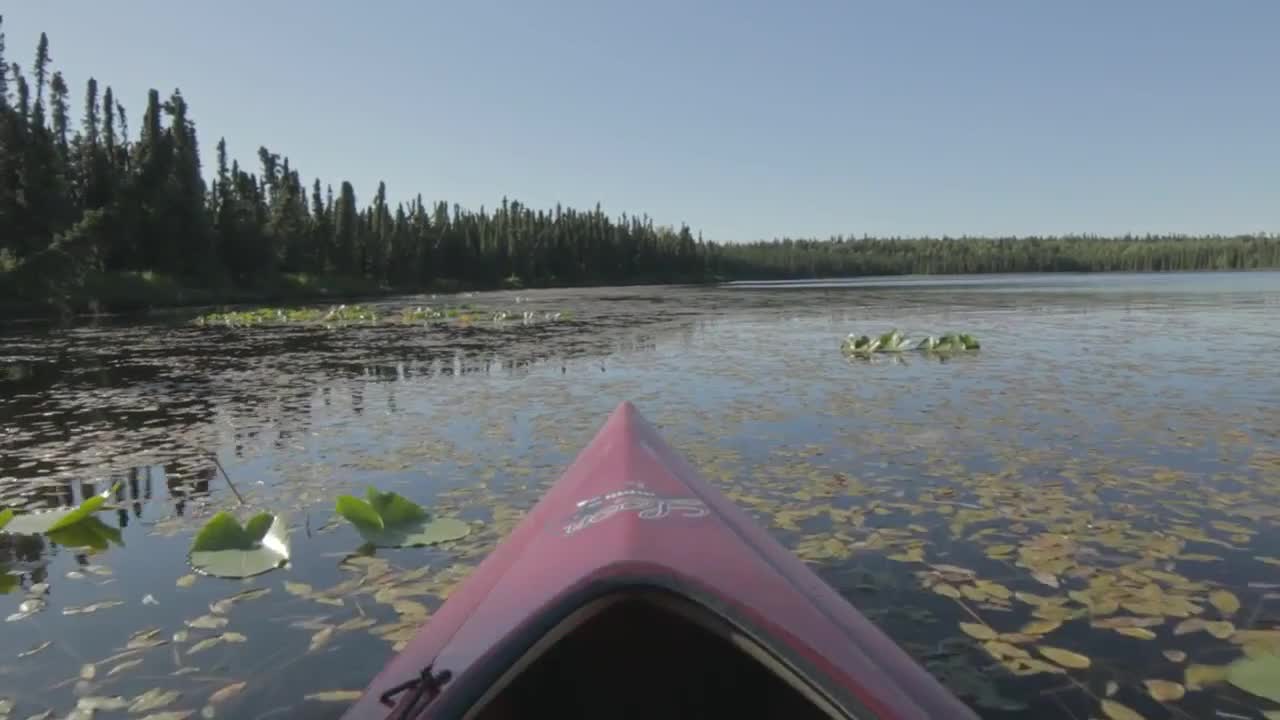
<point>425,687</point>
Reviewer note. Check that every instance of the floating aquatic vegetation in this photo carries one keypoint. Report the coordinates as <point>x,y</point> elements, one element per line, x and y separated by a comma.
<point>89,533</point>
<point>1025,468</point>
<point>1117,711</point>
<point>225,549</point>
<point>1258,675</point>
<point>860,344</point>
<point>1164,690</point>
<point>342,315</point>
<point>47,521</point>
<point>344,696</point>
<point>389,520</point>
<point>338,314</point>
<point>226,693</point>
<point>951,342</point>
<point>154,699</point>
<point>895,342</point>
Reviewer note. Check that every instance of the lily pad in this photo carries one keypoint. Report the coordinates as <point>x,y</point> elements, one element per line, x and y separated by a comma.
<point>1116,711</point>
<point>225,549</point>
<point>1225,601</point>
<point>89,533</point>
<point>1257,675</point>
<point>893,341</point>
<point>1199,677</point>
<point>979,632</point>
<point>47,521</point>
<point>1165,690</point>
<point>1065,658</point>
<point>389,520</point>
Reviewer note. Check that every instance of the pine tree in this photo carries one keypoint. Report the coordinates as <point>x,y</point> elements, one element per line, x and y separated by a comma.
<point>42,68</point>
<point>4,74</point>
<point>378,237</point>
<point>344,232</point>
<point>224,211</point>
<point>321,255</point>
<point>8,168</point>
<point>59,112</point>
<point>24,95</point>
<point>90,119</point>
<point>152,159</point>
<point>109,125</point>
<point>186,199</point>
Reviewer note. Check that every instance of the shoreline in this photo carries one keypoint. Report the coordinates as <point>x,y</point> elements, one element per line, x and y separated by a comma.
<point>139,298</point>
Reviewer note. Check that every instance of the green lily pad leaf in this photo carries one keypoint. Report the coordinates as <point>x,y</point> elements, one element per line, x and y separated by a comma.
<point>395,510</point>
<point>437,531</point>
<point>258,525</point>
<point>89,533</point>
<point>390,520</point>
<point>892,341</point>
<point>1257,675</point>
<point>5,517</point>
<point>225,549</point>
<point>38,523</point>
<point>359,513</point>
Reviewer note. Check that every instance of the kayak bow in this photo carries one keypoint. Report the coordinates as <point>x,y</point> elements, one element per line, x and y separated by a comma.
<point>634,589</point>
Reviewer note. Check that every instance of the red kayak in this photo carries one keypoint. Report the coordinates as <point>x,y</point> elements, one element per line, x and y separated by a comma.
<point>634,589</point>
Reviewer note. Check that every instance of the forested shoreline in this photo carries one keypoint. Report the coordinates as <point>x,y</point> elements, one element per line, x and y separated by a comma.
<point>92,215</point>
<point>837,257</point>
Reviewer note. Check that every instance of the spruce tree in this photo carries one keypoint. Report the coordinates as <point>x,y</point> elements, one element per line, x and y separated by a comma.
<point>344,231</point>
<point>186,199</point>
<point>109,125</point>
<point>42,67</point>
<point>4,74</point>
<point>58,108</point>
<point>90,118</point>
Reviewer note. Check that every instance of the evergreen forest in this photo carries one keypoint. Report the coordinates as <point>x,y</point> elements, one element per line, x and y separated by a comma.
<point>105,203</point>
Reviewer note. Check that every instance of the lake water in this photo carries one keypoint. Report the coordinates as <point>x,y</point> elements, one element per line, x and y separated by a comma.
<point>1112,451</point>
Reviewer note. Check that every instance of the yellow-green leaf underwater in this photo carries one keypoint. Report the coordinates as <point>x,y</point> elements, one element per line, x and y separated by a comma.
<point>1199,677</point>
<point>1115,711</point>
<point>1257,675</point>
<point>1226,602</point>
<point>1063,657</point>
<point>1164,690</point>
<point>978,632</point>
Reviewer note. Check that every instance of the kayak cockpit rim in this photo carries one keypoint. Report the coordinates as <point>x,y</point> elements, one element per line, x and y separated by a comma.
<point>613,606</point>
<point>677,608</point>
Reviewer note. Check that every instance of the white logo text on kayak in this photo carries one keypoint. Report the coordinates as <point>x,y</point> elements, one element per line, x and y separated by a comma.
<point>647,506</point>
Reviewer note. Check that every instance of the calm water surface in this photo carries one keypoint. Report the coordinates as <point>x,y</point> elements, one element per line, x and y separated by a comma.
<point>1113,451</point>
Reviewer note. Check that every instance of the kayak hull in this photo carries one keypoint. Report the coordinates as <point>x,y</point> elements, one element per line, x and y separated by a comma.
<point>631,515</point>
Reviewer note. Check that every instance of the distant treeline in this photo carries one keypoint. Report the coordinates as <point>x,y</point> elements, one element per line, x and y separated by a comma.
<point>81,204</point>
<point>842,257</point>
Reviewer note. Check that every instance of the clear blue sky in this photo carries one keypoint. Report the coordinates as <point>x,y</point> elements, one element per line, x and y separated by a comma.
<point>743,118</point>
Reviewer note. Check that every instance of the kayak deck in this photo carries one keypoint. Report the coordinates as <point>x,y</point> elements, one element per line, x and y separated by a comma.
<point>635,584</point>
